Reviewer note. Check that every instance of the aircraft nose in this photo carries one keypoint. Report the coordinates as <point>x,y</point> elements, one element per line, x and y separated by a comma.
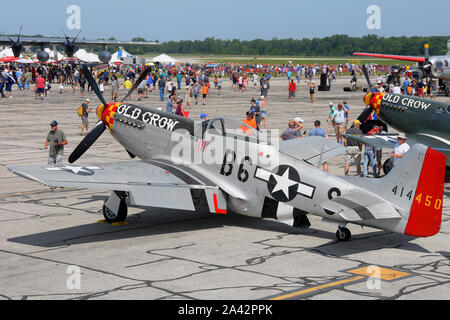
<point>106,114</point>
<point>367,99</point>
<point>374,101</point>
<point>100,111</point>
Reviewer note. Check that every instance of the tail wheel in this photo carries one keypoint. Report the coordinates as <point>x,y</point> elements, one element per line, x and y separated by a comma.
<point>111,216</point>
<point>343,234</point>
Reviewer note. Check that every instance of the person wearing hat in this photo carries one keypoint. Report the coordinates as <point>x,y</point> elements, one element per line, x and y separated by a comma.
<point>353,148</point>
<point>400,149</point>
<point>84,117</point>
<point>55,142</point>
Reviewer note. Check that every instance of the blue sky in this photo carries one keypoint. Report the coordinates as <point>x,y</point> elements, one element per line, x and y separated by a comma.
<point>227,19</point>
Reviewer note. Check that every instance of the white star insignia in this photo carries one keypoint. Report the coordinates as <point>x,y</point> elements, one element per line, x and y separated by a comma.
<point>283,183</point>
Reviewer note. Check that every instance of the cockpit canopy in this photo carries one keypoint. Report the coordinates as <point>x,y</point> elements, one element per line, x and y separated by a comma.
<point>229,127</point>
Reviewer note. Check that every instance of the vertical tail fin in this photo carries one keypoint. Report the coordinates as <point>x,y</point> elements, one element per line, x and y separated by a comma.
<point>416,185</point>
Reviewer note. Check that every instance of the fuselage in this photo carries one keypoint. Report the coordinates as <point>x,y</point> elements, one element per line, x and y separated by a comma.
<point>424,121</point>
<point>258,179</point>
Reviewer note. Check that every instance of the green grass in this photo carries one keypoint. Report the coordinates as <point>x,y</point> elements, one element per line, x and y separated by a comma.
<point>321,61</point>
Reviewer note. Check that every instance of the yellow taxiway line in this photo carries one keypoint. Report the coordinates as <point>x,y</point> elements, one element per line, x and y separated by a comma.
<point>362,273</point>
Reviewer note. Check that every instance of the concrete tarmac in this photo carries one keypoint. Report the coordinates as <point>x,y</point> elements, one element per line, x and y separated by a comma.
<point>49,237</point>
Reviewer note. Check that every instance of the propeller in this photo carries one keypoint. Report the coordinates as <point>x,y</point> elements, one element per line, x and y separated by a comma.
<point>137,83</point>
<point>16,46</point>
<point>69,45</point>
<point>100,127</point>
<point>367,111</point>
<point>366,74</point>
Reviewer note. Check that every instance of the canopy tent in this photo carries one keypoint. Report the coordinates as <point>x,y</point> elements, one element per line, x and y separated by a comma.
<point>120,54</point>
<point>117,57</point>
<point>51,53</point>
<point>85,56</point>
<point>165,59</point>
<point>7,52</point>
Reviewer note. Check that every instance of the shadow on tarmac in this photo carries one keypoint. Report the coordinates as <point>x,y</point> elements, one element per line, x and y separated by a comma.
<point>152,222</point>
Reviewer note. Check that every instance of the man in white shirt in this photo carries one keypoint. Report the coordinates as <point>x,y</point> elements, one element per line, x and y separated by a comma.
<point>339,121</point>
<point>400,149</point>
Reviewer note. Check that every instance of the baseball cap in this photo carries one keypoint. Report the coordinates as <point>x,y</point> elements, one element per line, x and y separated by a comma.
<point>54,123</point>
<point>298,119</point>
<point>331,104</point>
<point>402,136</point>
<point>356,121</point>
<point>203,115</point>
<point>87,100</point>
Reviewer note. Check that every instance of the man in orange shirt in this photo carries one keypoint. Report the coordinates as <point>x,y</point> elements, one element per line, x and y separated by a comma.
<point>249,121</point>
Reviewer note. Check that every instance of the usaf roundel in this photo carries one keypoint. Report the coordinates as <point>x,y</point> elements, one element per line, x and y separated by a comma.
<point>284,183</point>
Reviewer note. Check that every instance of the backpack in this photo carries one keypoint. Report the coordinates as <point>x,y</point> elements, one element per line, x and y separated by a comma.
<point>80,111</point>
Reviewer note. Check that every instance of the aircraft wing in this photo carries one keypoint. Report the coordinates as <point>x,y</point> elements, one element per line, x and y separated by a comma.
<point>360,205</point>
<point>147,184</point>
<point>314,150</point>
<point>378,141</point>
<point>388,56</point>
<point>31,41</point>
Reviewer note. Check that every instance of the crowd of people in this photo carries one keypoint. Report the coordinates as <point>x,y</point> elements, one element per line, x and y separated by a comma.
<point>199,83</point>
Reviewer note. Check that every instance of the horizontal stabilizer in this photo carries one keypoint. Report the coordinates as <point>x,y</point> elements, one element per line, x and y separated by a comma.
<point>360,205</point>
<point>314,150</point>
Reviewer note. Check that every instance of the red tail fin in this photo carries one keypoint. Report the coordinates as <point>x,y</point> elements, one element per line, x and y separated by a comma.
<point>426,210</point>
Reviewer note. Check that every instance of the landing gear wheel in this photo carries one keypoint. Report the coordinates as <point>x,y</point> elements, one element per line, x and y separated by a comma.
<point>343,234</point>
<point>121,215</point>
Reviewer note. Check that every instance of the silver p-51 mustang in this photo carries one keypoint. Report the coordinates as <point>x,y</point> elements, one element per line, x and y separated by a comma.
<point>221,165</point>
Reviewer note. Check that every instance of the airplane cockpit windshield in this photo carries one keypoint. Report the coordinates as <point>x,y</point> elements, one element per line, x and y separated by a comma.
<point>229,127</point>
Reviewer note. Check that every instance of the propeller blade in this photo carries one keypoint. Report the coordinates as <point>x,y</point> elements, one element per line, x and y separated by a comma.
<point>366,74</point>
<point>137,83</point>
<point>365,114</point>
<point>87,142</point>
<point>88,75</point>
<point>74,39</point>
<point>18,37</point>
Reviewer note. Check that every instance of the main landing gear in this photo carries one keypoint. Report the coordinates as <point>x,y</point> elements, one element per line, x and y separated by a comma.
<point>343,234</point>
<point>115,207</point>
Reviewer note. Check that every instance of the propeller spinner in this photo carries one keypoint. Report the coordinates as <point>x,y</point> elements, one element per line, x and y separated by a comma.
<point>100,127</point>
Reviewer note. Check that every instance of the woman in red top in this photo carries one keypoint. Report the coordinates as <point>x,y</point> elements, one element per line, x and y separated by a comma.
<point>292,89</point>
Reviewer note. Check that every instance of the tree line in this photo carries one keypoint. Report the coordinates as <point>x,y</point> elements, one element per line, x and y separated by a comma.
<point>332,46</point>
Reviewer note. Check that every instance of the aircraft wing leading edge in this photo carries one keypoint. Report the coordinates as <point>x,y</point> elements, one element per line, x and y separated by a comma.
<point>147,185</point>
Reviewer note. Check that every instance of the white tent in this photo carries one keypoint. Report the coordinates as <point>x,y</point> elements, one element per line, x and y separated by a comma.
<point>164,59</point>
<point>85,56</point>
<point>51,53</point>
<point>120,54</point>
<point>7,52</point>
